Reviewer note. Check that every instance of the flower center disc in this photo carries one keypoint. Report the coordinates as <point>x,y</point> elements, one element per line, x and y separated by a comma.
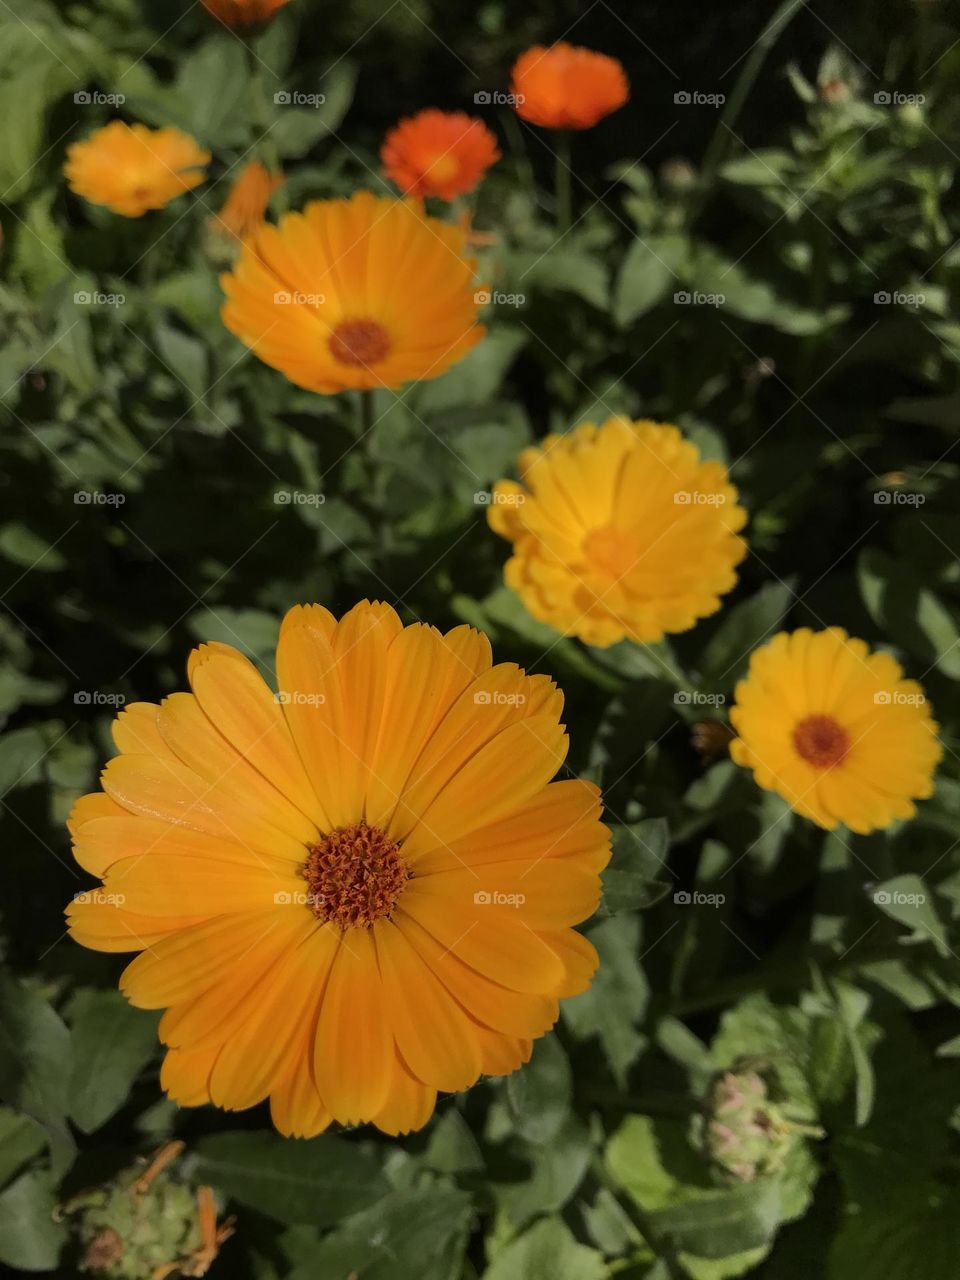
<point>821,741</point>
<point>611,551</point>
<point>443,168</point>
<point>355,876</point>
<point>359,342</point>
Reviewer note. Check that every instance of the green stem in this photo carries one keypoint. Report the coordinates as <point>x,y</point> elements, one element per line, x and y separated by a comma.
<point>562,189</point>
<point>365,413</point>
<point>717,147</point>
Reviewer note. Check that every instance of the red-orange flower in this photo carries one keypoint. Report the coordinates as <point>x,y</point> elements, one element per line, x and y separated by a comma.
<point>566,87</point>
<point>243,13</point>
<point>245,207</point>
<point>438,153</point>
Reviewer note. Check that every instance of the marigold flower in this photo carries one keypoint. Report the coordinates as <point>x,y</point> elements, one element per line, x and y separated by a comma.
<point>352,893</point>
<point>439,153</point>
<point>131,169</point>
<point>243,13</point>
<point>245,207</point>
<point>619,531</point>
<point>366,292</point>
<point>835,730</point>
<point>567,87</point>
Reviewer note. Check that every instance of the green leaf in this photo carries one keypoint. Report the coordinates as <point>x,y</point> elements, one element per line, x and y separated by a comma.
<point>452,1147</point>
<point>35,1053</point>
<point>617,999</point>
<point>636,876</point>
<point>418,1233</point>
<point>29,1238</point>
<point>569,271</point>
<point>546,1176</point>
<point>548,1251</point>
<point>20,1139</point>
<point>112,1043</point>
<point>915,1235</point>
<point>212,90</point>
<point>908,900</point>
<point>539,1094</point>
<point>650,272</point>
<point>318,1182</point>
<point>744,627</point>
<point>295,130</point>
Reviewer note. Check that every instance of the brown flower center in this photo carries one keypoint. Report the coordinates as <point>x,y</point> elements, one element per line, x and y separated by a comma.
<point>821,741</point>
<point>355,875</point>
<point>363,342</point>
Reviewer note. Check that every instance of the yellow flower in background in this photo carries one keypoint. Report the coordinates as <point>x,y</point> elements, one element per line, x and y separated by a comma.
<point>243,13</point>
<point>245,207</point>
<point>132,169</point>
<point>619,531</point>
<point>351,894</point>
<point>835,729</point>
<point>357,293</point>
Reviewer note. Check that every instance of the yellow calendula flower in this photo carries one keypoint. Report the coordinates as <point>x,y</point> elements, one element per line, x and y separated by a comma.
<point>132,169</point>
<point>358,293</point>
<point>245,207</point>
<point>352,893</point>
<point>619,531</point>
<point>835,729</point>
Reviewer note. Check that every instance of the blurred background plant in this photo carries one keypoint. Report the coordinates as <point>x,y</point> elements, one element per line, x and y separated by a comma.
<point>763,249</point>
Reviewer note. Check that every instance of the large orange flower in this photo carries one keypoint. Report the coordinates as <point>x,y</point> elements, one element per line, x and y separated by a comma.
<point>366,292</point>
<point>567,87</point>
<point>131,169</point>
<point>353,893</point>
<point>243,13</point>
<point>439,153</point>
<point>245,207</point>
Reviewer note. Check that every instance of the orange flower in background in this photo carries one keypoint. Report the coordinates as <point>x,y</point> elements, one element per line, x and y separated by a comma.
<point>351,894</point>
<point>132,169</point>
<point>439,153</point>
<point>245,207</point>
<point>243,13</point>
<point>835,729</point>
<point>619,532</point>
<point>567,87</point>
<point>358,293</point>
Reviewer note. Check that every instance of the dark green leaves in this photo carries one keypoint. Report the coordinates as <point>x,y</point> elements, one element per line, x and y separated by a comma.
<point>112,1043</point>
<point>318,1181</point>
<point>637,875</point>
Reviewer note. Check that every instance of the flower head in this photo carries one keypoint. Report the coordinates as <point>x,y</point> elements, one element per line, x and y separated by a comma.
<point>619,531</point>
<point>243,13</point>
<point>567,87</point>
<point>366,292</point>
<point>352,893</point>
<point>835,730</point>
<point>130,168</point>
<point>439,153</point>
<point>245,207</point>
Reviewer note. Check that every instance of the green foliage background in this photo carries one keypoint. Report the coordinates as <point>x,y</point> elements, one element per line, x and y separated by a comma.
<point>802,199</point>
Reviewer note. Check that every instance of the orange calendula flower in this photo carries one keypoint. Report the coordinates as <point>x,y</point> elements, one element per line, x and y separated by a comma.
<point>619,531</point>
<point>835,729</point>
<point>439,153</point>
<point>353,893</point>
<point>567,87</point>
<point>245,207</point>
<point>132,169</point>
<point>243,13</point>
<point>358,293</point>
